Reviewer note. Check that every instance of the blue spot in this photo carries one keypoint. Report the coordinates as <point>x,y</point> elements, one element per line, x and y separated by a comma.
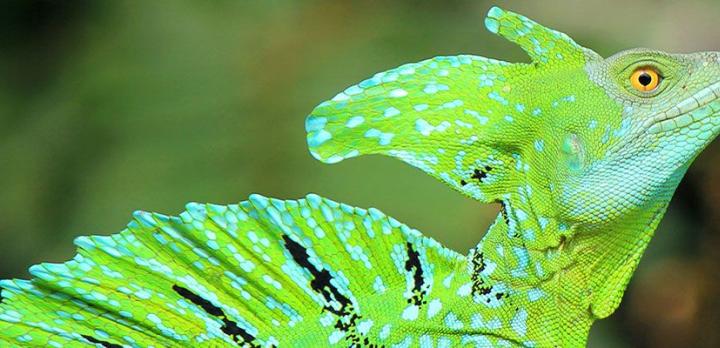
<point>519,322</point>
<point>529,234</point>
<point>535,294</point>
<point>452,104</point>
<point>539,145</point>
<point>383,138</point>
<point>372,133</point>
<point>523,259</point>
<point>421,107</point>
<point>433,88</point>
<point>452,321</point>
<point>497,97</point>
<point>318,138</point>
<point>355,121</point>
<point>391,111</point>
<point>353,90</point>
<point>371,82</point>
<point>491,22</point>
<point>423,127</point>
<point>398,93</point>
<point>314,123</point>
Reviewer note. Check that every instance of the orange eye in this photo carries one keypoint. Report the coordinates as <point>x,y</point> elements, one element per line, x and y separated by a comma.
<point>645,79</point>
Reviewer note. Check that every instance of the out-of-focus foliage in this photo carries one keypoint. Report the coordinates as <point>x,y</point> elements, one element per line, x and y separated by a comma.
<point>107,107</point>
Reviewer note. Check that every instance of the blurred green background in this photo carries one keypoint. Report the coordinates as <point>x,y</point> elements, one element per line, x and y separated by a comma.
<point>107,107</point>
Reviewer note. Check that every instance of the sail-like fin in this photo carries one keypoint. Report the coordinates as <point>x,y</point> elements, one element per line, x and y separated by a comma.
<point>262,273</point>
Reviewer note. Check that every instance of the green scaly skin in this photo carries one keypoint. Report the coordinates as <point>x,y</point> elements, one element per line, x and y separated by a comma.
<point>583,164</point>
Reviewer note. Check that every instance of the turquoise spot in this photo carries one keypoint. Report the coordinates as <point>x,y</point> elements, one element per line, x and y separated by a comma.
<point>383,138</point>
<point>384,332</point>
<point>426,341</point>
<point>497,97</point>
<point>494,324</point>
<point>433,88</point>
<point>521,215</point>
<point>355,121</point>
<point>519,322</point>
<point>430,89</point>
<point>535,294</point>
<point>318,138</point>
<point>398,93</point>
<point>491,22</point>
<point>410,312</point>
<point>407,69</point>
<point>476,322</point>
<point>391,111</point>
<point>529,234</point>
<point>423,127</point>
<point>453,322</point>
<point>523,260</point>
<point>420,107</point>
<point>353,90</point>
<point>371,82</point>
<point>452,104</point>
<point>486,80</point>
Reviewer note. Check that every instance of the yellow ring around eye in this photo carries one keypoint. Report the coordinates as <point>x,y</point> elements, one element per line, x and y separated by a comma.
<point>645,79</point>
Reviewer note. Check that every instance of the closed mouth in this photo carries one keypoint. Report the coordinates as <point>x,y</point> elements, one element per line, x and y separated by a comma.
<point>691,110</point>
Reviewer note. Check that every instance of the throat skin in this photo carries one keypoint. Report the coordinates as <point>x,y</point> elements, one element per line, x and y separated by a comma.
<point>548,279</point>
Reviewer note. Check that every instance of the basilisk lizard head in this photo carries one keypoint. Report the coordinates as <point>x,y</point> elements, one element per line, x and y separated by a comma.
<point>593,139</point>
<point>583,152</point>
<point>656,112</point>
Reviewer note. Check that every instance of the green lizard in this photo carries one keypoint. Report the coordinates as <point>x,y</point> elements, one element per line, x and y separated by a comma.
<point>583,153</point>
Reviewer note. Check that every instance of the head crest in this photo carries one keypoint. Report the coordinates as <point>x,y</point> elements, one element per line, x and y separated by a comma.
<point>544,45</point>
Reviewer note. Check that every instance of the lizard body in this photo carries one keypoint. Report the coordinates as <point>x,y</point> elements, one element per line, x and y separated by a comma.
<point>583,154</point>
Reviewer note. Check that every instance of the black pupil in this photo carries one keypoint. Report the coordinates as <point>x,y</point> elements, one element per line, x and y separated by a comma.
<point>645,79</point>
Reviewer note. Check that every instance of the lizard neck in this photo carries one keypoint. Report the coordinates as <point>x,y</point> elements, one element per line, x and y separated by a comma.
<point>534,271</point>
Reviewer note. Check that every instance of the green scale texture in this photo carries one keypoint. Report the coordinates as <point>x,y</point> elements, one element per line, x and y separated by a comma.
<point>583,165</point>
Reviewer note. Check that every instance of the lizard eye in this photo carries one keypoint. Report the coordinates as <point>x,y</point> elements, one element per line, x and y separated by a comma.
<point>645,79</point>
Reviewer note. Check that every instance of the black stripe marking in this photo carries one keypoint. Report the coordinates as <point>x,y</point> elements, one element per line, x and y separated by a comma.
<point>321,278</point>
<point>321,284</point>
<point>504,212</point>
<point>413,264</point>
<point>100,342</point>
<point>1,297</point>
<point>229,327</point>
<point>478,265</point>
